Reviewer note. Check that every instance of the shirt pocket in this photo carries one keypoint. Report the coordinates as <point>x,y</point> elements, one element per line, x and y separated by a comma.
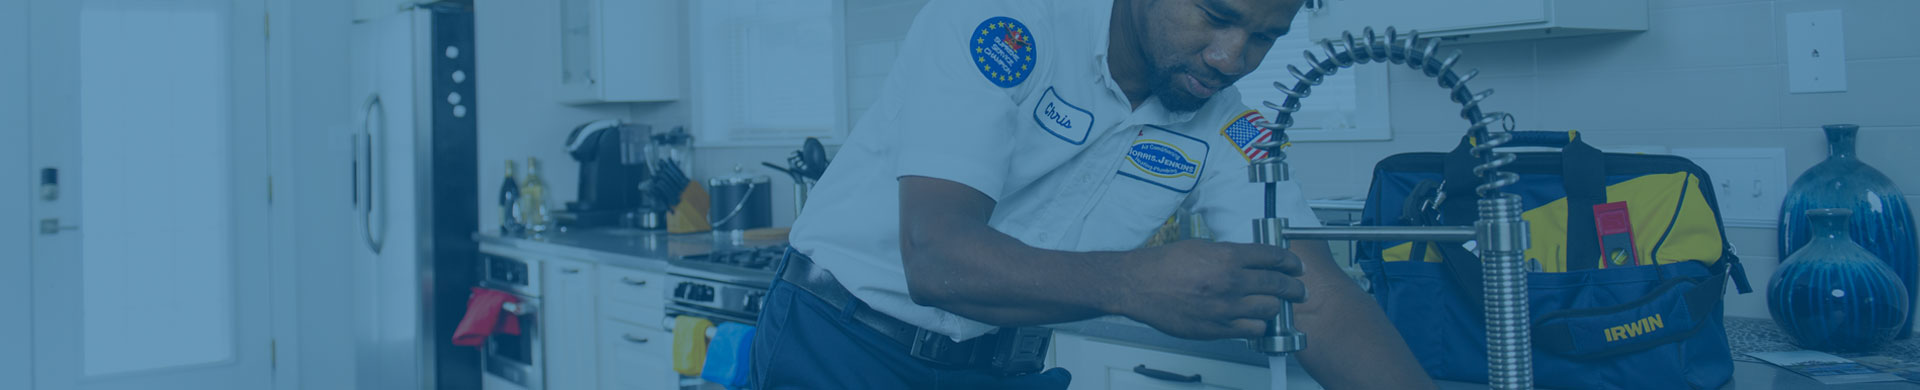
<point>1128,213</point>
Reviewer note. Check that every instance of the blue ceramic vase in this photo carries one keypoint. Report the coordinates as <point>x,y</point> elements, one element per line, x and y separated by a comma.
<point>1835,296</point>
<point>1881,222</point>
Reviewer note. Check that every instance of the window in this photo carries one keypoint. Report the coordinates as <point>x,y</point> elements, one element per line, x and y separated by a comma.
<point>767,72</point>
<point>1351,105</point>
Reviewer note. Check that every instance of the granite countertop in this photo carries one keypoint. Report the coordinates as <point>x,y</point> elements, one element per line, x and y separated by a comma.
<point>625,248</point>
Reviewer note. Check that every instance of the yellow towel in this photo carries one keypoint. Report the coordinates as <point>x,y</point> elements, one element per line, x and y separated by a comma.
<point>690,344</point>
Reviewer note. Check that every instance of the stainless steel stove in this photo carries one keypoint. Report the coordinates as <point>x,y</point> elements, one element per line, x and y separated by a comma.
<point>727,284</point>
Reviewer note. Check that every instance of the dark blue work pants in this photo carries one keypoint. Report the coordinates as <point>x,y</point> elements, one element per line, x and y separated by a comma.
<point>804,343</point>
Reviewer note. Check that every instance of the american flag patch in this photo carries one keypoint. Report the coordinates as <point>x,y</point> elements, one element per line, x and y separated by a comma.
<point>1242,133</point>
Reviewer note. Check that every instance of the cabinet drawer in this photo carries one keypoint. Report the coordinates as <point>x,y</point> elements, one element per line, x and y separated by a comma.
<point>1103,365</point>
<point>632,296</point>
<point>636,358</point>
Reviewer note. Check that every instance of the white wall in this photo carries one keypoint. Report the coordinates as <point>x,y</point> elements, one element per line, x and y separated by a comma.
<point>16,183</point>
<point>518,68</point>
<point>1707,73</point>
<point>874,29</point>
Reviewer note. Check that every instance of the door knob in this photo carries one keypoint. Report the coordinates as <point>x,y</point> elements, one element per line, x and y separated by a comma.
<point>51,226</point>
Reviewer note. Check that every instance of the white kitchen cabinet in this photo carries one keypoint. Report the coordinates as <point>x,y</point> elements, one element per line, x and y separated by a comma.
<point>571,321</point>
<point>632,296</point>
<point>1477,20</point>
<point>620,51</point>
<point>1103,365</point>
<point>634,357</point>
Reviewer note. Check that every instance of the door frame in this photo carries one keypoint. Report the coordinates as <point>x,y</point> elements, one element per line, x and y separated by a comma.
<point>16,265</point>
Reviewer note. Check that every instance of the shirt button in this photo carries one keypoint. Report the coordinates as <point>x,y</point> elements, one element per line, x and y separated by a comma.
<point>1045,237</point>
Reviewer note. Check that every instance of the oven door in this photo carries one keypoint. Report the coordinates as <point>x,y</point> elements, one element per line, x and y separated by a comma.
<point>674,311</point>
<point>514,362</point>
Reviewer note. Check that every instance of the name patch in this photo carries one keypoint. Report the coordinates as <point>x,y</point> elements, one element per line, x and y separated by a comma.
<point>1064,120</point>
<point>1167,159</point>
<point>1003,49</point>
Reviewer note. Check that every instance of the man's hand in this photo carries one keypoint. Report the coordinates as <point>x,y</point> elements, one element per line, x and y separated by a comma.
<point>1206,290</point>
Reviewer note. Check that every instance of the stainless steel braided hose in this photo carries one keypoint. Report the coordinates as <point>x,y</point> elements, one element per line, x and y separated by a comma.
<point>1500,233</point>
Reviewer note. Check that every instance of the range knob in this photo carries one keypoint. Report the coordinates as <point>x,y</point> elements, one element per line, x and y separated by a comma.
<point>753,302</point>
<point>684,290</point>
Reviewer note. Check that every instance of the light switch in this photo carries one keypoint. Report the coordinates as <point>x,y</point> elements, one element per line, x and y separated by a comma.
<point>1816,52</point>
<point>1750,183</point>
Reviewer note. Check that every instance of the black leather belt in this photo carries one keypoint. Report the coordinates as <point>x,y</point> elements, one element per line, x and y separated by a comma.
<point>1012,351</point>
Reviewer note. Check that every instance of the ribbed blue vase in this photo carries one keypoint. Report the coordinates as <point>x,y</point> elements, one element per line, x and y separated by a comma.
<point>1835,296</point>
<point>1881,221</point>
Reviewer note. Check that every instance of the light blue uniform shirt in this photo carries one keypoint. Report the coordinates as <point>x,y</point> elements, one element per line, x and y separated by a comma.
<point>1013,98</point>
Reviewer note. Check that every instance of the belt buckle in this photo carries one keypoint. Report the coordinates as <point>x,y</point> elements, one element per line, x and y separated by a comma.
<point>936,348</point>
<point>1020,351</point>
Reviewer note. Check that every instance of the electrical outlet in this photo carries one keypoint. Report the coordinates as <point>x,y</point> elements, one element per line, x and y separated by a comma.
<point>1750,183</point>
<point>1816,52</point>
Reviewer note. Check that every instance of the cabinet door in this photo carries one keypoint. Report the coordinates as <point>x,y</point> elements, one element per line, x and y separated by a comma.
<point>631,295</point>
<point>570,321</point>
<point>1420,15</point>
<point>636,357</point>
<point>1102,365</point>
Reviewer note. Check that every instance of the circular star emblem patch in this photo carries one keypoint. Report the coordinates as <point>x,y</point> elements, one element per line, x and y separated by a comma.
<point>1003,50</point>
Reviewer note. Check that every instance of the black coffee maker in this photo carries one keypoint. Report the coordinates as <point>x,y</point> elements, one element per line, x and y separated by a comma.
<point>613,162</point>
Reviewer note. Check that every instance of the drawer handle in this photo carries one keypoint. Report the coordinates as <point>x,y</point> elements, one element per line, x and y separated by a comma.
<point>628,280</point>
<point>569,271</point>
<point>635,340</point>
<point>1165,376</point>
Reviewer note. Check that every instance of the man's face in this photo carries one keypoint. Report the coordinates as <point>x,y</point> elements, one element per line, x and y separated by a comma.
<point>1195,48</point>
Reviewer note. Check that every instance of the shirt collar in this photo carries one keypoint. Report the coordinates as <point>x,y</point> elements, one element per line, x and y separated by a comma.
<point>1150,112</point>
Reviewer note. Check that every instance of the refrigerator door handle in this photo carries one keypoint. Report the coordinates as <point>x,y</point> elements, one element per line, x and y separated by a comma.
<point>368,160</point>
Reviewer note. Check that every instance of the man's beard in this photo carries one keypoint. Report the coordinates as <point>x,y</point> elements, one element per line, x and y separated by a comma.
<point>1171,95</point>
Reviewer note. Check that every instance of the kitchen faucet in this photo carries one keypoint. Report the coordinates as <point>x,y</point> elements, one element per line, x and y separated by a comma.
<point>1500,234</point>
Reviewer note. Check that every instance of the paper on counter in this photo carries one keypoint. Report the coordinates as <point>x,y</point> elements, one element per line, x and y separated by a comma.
<point>1826,368</point>
<point>1902,368</point>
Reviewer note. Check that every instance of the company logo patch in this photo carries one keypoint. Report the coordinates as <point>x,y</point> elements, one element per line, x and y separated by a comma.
<point>1162,160</point>
<point>1243,134</point>
<point>1167,159</point>
<point>1003,50</point>
<point>1064,120</point>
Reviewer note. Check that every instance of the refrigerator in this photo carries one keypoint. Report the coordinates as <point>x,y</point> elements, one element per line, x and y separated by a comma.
<point>414,179</point>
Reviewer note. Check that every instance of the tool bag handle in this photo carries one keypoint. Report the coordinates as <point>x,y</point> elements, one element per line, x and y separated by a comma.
<point>1583,174</point>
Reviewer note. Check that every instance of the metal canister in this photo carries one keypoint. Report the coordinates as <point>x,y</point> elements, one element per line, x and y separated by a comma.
<point>739,202</point>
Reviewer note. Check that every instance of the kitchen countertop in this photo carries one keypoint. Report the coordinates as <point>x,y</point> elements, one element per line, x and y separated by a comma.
<point>654,251</point>
<point>632,249</point>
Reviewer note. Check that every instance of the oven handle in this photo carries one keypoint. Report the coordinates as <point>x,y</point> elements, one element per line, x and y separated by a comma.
<point>668,323</point>
<point>516,308</point>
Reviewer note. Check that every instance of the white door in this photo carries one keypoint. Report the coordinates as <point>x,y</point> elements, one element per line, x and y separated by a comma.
<point>150,256</point>
<point>386,258</point>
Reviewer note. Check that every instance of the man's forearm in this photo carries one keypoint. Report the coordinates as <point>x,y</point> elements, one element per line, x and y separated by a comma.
<point>1350,327</point>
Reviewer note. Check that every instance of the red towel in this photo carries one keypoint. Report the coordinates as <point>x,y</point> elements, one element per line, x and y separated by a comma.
<point>483,314</point>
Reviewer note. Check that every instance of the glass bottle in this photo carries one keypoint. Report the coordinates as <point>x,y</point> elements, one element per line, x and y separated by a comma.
<point>534,211</point>
<point>510,222</point>
<point>1833,295</point>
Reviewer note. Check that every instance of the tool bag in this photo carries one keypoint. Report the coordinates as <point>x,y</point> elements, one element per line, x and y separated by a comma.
<point>1648,318</point>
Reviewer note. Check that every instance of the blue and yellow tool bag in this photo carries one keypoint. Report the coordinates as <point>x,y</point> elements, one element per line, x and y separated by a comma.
<point>1645,315</point>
